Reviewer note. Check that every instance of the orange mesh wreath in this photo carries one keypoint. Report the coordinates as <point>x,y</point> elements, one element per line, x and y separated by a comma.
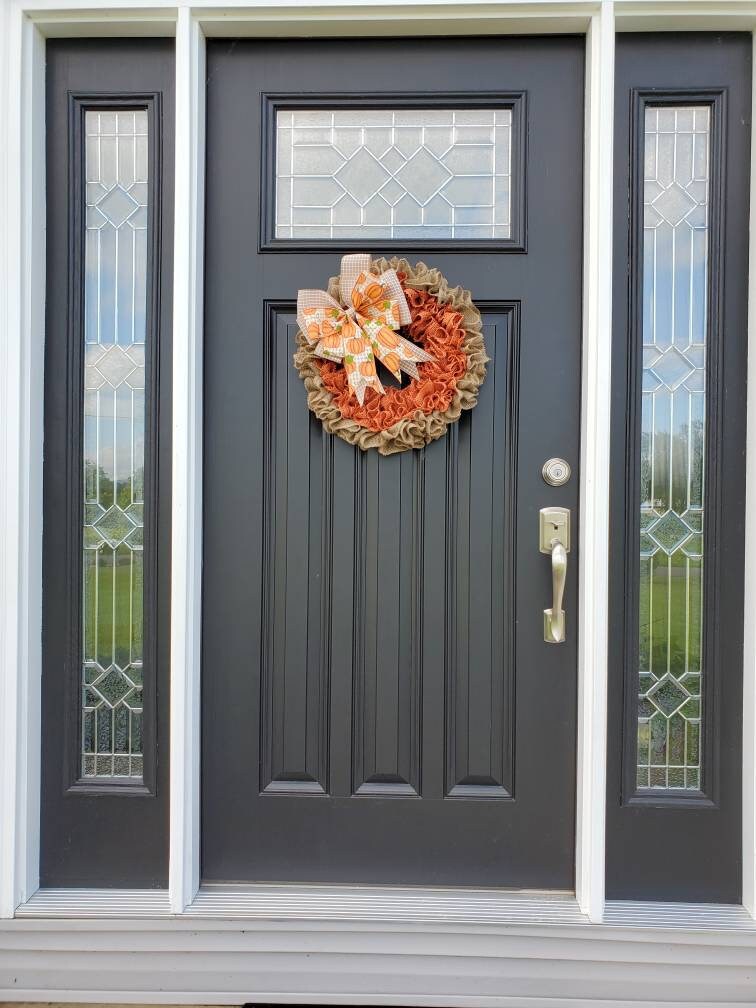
<point>446,324</point>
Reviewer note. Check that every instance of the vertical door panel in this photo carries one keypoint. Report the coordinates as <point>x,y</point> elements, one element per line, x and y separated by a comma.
<point>296,577</point>
<point>480,501</point>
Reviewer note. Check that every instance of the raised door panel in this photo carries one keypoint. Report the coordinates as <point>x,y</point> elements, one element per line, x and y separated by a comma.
<point>356,588</point>
<point>297,482</point>
<point>479,623</point>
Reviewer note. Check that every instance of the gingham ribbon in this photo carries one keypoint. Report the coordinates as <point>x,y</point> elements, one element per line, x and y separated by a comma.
<point>362,328</point>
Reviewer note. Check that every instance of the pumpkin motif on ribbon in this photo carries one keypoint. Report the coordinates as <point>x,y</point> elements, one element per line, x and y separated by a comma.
<point>371,305</point>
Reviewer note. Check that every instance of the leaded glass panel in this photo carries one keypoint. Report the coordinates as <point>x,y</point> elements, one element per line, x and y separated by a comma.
<point>115,331</point>
<point>401,173</point>
<point>673,434</point>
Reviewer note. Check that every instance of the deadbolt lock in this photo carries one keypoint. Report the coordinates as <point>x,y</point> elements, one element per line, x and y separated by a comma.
<point>556,472</point>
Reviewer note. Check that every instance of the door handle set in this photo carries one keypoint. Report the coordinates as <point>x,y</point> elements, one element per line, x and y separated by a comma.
<point>554,539</point>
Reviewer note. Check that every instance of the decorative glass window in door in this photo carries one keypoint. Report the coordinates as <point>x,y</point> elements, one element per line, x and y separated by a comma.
<point>113,439</point>
<point>676,229</point>
<point>367,173</point>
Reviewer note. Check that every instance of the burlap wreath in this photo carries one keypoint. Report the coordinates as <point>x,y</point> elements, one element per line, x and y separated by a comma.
<point>441,331</point>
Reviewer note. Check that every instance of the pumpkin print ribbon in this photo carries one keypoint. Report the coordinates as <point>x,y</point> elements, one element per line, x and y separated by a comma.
<point>364,327</point>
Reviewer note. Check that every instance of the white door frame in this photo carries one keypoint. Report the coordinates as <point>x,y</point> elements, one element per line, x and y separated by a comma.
<point>22,265</point>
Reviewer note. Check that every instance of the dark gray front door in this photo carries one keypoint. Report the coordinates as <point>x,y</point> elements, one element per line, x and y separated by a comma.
<point>379,704</point>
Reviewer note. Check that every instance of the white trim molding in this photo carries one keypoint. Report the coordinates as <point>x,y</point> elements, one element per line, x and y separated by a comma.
<point>685,15</point>
<point>186,512</point>
<point>22,307</point>
<point>594,465</point>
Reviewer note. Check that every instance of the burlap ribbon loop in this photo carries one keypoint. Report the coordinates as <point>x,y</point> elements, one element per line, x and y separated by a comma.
<point>364,327</point>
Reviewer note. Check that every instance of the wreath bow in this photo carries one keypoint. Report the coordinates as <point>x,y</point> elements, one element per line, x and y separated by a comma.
<point>362,328</point>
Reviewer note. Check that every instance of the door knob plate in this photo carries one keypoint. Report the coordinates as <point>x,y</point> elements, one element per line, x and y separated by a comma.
<point>554,527</point>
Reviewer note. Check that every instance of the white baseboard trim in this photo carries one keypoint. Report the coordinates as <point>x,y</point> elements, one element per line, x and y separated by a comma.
<point>355,946</point>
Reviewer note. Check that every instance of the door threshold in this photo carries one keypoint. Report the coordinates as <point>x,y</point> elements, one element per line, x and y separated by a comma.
<point>308,902</point>
<point>389,904</point>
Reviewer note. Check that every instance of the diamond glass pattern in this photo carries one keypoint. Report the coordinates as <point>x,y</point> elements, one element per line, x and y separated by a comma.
<point>383,173</point>
<point>114,526</point>
<point>669,532</point>
<point>673,417</point>
<point>672,368</point>
<point>117,206</point>
<point>115,307</point>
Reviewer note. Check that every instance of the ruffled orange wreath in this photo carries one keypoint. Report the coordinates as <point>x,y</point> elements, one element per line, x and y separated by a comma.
<point>446,324</point>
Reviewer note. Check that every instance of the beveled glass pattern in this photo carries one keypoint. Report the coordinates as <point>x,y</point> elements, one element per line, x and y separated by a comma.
<point>673,420</point>
<point>401,173</point>
<point>115,305</point>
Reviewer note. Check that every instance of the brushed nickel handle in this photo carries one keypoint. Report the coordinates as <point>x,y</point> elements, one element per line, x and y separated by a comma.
<point>553,619</point>
<point>555,539</point>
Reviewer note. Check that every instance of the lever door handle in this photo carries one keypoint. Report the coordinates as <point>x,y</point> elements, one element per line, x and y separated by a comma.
<point>555,540</point>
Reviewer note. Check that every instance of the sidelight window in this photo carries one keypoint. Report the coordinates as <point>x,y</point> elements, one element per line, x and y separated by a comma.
<point>112,471</point>
<point>673,422</point>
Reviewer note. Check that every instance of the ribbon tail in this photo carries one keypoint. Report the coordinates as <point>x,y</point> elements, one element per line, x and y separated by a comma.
<point>408,367</point>
<point>393,287</point>
<point>410,356</point>
<point>359,360</point>
<point>359,385</point>
<point>361,388</point>
<point>398,354</point>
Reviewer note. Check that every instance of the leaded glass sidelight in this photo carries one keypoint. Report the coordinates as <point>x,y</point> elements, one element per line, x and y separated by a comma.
<point>366,173</point>
<point>113,440</point>
<point>672,447</point>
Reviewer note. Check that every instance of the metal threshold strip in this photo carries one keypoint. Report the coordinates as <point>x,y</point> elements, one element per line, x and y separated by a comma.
<point>385,905</point>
